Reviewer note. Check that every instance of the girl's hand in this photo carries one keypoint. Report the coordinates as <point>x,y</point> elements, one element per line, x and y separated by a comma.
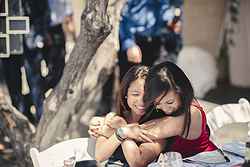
<point>136,132</point>
<point>105,126</point>
<point>111,123</point>
<point>96,131</point>
<point>106,131</point>
<point>109,117</point>
<point>95,126</point>
<point>116,122</point>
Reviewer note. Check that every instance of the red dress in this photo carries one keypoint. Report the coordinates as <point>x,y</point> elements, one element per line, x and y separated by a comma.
<point>191,147</point>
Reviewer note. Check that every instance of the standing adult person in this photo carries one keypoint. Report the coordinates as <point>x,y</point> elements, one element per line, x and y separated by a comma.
<point>61,13</point>
<point>150,31</point>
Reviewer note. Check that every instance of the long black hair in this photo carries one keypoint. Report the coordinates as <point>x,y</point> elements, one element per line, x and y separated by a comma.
<point>168,76</point>
<point>134,73</point>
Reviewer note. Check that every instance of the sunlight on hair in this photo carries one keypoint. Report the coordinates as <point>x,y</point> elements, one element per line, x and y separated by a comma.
<point>142,72</point>
<point>163,74</point>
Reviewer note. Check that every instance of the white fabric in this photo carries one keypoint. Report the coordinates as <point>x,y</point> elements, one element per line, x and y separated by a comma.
<point>228,114</point>
<point>80,148</point>
<point>200,68</point>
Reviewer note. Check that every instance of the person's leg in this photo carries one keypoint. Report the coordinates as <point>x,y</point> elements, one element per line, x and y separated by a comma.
<point>32,67</point>
<point>123,63</point>
<point>12,72</point>
<point>28,102</point>
<point>106,101</point>
<point>55,57</point>
<point>172,44</point>
<point>150,50</point>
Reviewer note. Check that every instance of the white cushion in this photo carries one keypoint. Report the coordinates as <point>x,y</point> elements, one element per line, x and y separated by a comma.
<point>80,148</point>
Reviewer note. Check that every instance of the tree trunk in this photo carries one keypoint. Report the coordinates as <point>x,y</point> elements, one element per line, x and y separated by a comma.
<point>81,81</point>
<point>100,68</point>
<point>14,125</point>
<point>61,104</point>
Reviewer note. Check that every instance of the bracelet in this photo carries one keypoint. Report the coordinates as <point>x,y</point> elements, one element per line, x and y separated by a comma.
<point>120,135</point>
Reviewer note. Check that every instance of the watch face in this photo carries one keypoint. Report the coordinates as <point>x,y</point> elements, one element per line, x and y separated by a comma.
<point>120,132</point>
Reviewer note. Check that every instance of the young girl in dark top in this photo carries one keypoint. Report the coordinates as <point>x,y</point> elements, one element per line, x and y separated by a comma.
<point>115,143</point>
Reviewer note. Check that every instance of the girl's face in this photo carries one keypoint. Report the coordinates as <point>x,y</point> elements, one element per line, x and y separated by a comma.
<point>135,97</point>
<point>168,103</point>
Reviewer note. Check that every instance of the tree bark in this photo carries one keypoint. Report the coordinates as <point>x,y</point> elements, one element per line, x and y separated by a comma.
<point>15,125</point>
<point>60,105</point>
<point>19,130</point>
<point>98,71</point>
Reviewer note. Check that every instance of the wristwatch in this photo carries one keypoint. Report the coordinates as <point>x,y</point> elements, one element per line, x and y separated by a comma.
<point>120,135</point>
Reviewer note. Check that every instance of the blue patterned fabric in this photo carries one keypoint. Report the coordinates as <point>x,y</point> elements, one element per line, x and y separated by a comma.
<point>147,18</point>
